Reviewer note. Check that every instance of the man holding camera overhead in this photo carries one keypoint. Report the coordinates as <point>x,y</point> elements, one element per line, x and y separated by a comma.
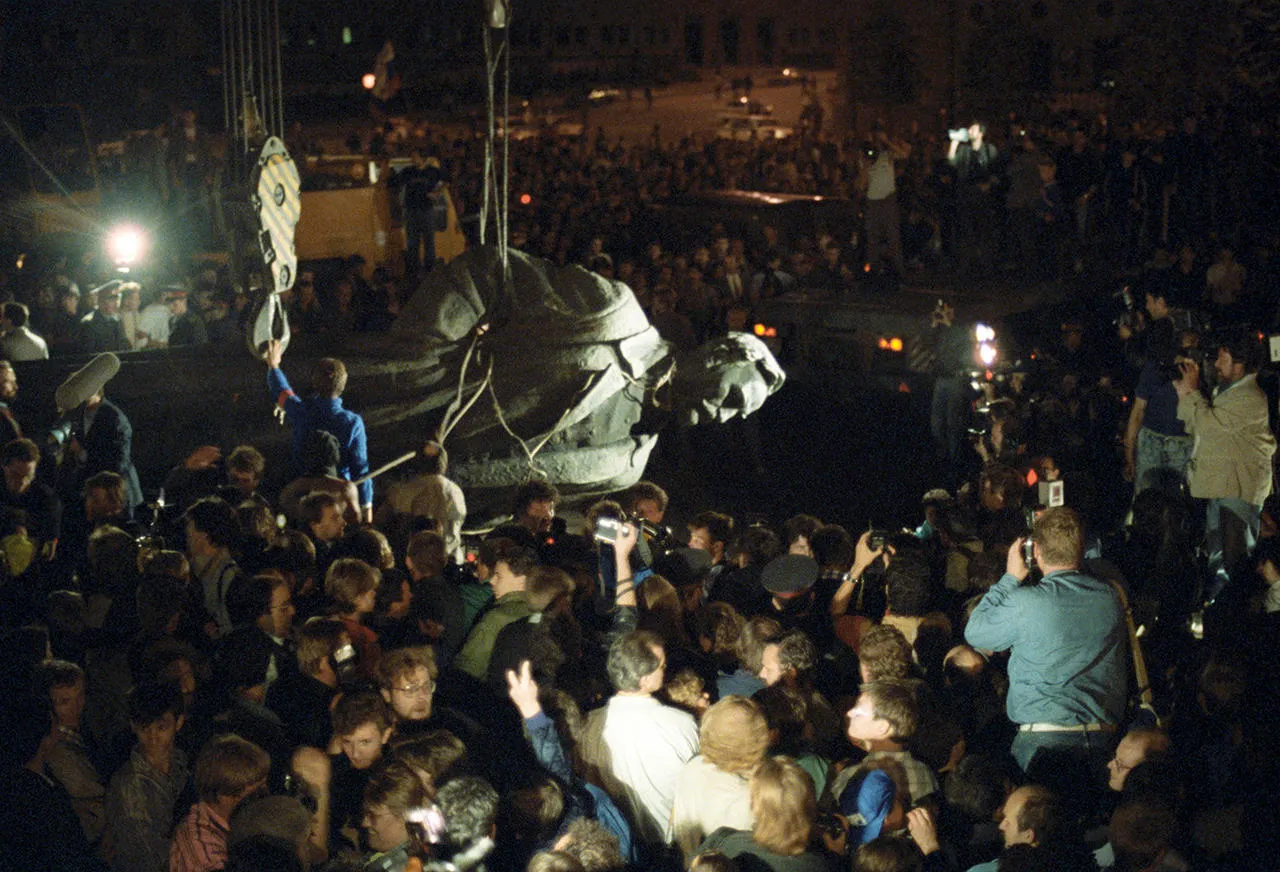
<point>1066,639</point>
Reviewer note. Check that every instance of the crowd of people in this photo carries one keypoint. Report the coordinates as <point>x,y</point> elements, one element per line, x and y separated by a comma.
<point>364,687</point>
<point>368,688</point>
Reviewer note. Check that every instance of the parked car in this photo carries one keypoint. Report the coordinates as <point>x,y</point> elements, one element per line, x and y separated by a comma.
<point>750,128</point>
<point>603,95</point>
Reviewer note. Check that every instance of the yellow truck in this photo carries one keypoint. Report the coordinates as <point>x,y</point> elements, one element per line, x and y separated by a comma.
<point>349,207</point>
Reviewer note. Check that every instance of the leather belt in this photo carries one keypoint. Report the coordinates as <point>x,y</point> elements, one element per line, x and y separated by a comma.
<point>1067,728</point>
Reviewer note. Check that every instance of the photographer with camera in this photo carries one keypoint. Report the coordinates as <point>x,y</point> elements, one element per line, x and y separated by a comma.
<point>977,180</point>
<point>1157,448</point>
<point>1067,644</point>
<point>1231,461</point>
<point>878,176</point>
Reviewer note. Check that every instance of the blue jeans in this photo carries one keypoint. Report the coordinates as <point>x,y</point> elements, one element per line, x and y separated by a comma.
<point>1073,765</point>
<point>1160,460</point>
<point>1230,532</point>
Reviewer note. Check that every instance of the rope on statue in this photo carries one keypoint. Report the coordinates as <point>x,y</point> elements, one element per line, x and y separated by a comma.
<point>530,454</point>
<point>457,409</point>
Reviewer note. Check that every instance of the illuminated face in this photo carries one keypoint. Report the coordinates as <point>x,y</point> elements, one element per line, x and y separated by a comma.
<point>157,737</point>
<point>384,828</point>
<point>331,525</point>
<point>68,704</point>
<point>700,538</point>
<point>1129,753</point>
<point>863,724</point>
<point>539,515</point>
<point>8,384</point>
<point>110,304</point>
<point>363,745</point>
<point>280,615</point>
<point>1009,820</point>
<point>1226,367</point>
<point>770,665</point>
<point>410,695</point>
<point>18,475</point>
<point>649,510</point>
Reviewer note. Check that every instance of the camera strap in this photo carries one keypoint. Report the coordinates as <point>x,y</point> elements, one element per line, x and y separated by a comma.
<point>1146,697</point>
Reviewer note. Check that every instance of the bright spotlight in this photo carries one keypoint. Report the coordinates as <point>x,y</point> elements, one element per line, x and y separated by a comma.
<point>126,244</point>
<point>983,333</point>
<point>368,80</point>
<point>987,353</point>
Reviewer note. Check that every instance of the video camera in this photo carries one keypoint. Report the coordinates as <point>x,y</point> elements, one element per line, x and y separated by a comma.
<point>1049,495</point>
<point>429,842</point>
<point>607,531</point>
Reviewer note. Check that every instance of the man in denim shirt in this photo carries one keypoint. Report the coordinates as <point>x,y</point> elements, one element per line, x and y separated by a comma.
<point>1066,637</point>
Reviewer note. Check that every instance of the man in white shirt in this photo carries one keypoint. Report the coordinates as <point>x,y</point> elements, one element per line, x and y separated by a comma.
<point>18,342</point>
<point>636,745</point>
<point>153,322</point>
<point>432,495</point>
<point>883,219</point>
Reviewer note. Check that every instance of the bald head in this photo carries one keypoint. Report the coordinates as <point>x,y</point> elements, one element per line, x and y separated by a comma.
<point>1138,746</point>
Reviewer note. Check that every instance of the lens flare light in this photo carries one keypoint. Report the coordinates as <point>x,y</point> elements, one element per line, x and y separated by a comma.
<point>126,244</point>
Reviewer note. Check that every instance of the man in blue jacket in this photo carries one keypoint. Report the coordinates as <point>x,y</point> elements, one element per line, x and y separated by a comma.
<point>323,411</point>
<point>1066,639</point>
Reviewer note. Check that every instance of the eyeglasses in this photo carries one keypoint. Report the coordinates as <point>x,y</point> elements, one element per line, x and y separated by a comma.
<point>423,689</point>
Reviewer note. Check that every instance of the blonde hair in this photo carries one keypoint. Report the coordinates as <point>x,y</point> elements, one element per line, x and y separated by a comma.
<point>783,806</point>
<point>685,690</point>
<point>316,640</point>
<point>1060,535</point>
<point>662,611</point>
<point>734,734</point>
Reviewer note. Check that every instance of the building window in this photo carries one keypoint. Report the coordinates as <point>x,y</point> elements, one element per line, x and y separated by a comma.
<point>977,11</point>
<point>624,34</point>
<point>580,35</point>
<point>665,36</point>
<point>562,34</point>
<point>793,36</point>
<point>535,35</point>
<point>606,34</point>
<point>650,34</point>
<point>1106,9</point>
<point>346,36</point>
